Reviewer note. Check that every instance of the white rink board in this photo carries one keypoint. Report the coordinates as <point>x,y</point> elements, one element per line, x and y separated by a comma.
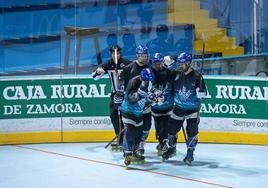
<point>104,123</point>
<point>55,124</point>
<point>233,125</point>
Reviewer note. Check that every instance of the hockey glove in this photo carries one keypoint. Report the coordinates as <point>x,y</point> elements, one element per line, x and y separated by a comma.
<point>96,76</point>
<point>98,73</point>
<point>152,97</point>
<point>156,97</point>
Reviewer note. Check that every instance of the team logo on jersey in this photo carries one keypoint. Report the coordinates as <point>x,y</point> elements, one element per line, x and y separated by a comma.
<point>184,94</point>
<point>163,89</point>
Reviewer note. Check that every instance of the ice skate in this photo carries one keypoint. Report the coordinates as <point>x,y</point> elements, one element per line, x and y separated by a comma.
<point>140,150</point>
<point>128,158</point>
<point>189,158</point>
<point>159,149</point>
<point>168,151</point>
<point>137,158</point>
<point>171,152</point>
<point>115,147</point>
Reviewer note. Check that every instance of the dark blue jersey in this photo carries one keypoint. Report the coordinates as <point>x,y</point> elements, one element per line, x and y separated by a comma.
<point>131,70</point>
<point>162,84</point>
<point>185,90</point>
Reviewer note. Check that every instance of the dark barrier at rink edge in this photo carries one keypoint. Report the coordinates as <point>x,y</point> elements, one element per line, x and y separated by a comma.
<point>76,108</point>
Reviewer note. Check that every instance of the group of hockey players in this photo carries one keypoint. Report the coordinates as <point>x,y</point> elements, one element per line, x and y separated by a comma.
<point>152,87</point>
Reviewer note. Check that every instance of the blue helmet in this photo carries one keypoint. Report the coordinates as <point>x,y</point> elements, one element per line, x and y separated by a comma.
<point>158,57</point>
<point>147,74</point>
<point>184,58</point>
<point>141,49</point>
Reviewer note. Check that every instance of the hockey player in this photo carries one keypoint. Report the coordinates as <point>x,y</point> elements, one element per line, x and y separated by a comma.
<point>132,112</point>
<point>189,88</point>
<point>132,70</point>
<point>162,95</point>
<point>113,67</point>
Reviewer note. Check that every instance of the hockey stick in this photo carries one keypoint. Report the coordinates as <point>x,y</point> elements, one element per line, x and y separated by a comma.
<point>201,78</point>
<point>117,83</point>
<point>116,136</point>
<point>116,64</point>
<point>203,53</point>
<point>184,135</point>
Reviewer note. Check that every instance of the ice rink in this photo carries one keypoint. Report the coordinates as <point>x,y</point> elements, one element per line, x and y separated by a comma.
<point>80,165</point>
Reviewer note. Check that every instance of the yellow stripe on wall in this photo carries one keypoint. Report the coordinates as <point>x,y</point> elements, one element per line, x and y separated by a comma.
<point>88,136</point>
<point>30,137</point>
<point>108,135</point>
<point>234,138</point>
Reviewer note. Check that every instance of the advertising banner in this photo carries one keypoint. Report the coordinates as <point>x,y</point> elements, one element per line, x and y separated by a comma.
<point>53,103</point>
<point>235,104</point>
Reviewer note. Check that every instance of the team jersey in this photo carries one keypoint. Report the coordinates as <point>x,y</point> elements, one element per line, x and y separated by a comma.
<point>162,83</point>
<point>132,70</point>
<point>134,102</point>
<point>185,90</point>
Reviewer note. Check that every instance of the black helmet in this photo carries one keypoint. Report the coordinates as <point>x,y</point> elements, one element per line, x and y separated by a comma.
<point>113,47</point>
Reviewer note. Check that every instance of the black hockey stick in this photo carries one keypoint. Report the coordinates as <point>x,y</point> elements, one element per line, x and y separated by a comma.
<point>203,53</point>
<point>109,143</point>
<point>184,135</point>
<point>201,78</point>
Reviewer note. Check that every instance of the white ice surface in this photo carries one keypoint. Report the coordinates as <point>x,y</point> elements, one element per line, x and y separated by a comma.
<point>80,165</point>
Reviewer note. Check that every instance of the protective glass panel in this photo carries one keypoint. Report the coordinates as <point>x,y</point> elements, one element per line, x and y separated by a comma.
<point>74,36</point>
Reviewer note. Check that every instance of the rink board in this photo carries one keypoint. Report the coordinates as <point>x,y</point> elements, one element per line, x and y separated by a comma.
<point>75,109</point>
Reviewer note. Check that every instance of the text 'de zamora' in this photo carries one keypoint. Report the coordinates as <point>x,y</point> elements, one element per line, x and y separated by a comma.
<point>43,109</point>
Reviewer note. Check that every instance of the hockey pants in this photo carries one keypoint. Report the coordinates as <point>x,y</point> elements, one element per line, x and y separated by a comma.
<point>176,122</point>
<point>132,137</point>
<point>146,126</point>
<point>161,127</point>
